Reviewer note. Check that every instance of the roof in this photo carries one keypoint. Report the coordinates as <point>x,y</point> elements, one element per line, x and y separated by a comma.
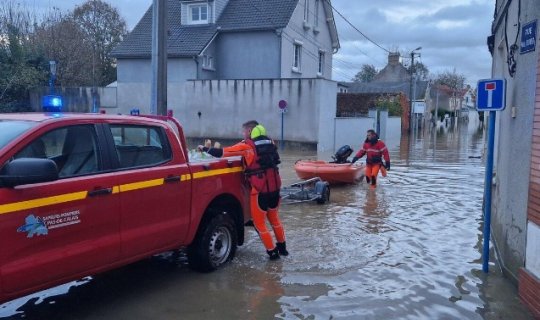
<point>190,40</point>
<point>256,14</point>
<point>388,87</point>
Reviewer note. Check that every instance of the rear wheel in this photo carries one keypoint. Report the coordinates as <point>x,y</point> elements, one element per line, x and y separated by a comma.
<point>215,244</point>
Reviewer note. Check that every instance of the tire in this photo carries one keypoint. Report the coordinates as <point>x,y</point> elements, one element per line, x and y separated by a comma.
<point>214,245</point>
<point>323,190</point>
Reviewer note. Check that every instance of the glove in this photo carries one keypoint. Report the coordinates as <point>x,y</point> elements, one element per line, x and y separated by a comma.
<point>354,159</point>
<point>202,148</point>
<point>387,165</point>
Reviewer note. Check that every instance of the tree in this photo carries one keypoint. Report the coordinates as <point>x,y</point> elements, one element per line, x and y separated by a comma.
<point>452,79</point>
<point>104,29</point>
<point>366,74</point>
<point>21,65</point>
<point>422,72</point>
<point>61,39</point>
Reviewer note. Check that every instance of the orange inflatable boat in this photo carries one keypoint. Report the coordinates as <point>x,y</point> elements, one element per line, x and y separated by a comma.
<point>333,173</point>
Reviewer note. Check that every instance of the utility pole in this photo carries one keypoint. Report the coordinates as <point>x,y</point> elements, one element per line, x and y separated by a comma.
<point>437,108</point>
<point>52,78</point>
<point>158,104</point>
<point>411,98</point>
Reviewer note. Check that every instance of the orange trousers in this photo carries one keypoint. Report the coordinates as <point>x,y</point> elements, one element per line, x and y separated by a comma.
<point>259,221</point>
<point>372,170</point>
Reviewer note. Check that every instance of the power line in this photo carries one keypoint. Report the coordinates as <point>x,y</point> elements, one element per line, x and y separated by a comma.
<point>355,28</point>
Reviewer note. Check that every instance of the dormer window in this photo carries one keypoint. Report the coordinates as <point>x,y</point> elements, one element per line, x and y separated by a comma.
<point>197,13</point>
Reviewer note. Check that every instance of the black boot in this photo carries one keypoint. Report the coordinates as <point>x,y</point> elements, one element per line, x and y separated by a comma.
<point>274,254</point>
<point>367,179</point>
<point>282,248</point>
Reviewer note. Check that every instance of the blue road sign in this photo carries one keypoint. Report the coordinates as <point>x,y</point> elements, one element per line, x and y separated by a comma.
<point>528,37</point>
<point>491,95</point>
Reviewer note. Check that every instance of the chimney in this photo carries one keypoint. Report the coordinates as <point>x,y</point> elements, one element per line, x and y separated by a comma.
<point>393,58</point>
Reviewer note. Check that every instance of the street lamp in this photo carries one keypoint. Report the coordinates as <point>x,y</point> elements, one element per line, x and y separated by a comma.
<point>52,65</point>
<point>413,72</point>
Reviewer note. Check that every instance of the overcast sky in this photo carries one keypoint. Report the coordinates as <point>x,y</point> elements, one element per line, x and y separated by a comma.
<point>452,34</point>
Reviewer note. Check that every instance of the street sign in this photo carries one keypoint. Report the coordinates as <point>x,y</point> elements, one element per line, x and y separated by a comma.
<point>491,95</point>
<point>528,37</point>
<point>419,107</point>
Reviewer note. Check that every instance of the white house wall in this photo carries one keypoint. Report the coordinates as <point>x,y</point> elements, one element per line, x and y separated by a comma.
<point>514,138</point>
<point>314,36</point>
<point>135,77</point>
<point>225,104</point>
<point>205,73</point>
<point>261,61</point>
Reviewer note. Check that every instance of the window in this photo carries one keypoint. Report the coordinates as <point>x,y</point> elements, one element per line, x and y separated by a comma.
<point>320,71</point>
<point>198,13</point>
<point>12,129</point>
<point>138,146</point>
<point>208,62</point>
<point>297,59</point>
<point>73,149</point>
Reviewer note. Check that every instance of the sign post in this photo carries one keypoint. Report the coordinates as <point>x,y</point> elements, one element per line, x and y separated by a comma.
<point>491,97</point>
<point>282,104</point>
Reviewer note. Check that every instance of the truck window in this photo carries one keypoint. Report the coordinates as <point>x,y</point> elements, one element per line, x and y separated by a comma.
<point>48,146</point>
<point>74,149</point>
<point>13,128</point>
<point>138,146</point>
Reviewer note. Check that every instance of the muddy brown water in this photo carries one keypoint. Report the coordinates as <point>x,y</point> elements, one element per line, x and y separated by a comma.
<point>411,249</point>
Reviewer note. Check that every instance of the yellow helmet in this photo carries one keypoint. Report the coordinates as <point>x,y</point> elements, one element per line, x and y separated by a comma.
<point>258,131</point>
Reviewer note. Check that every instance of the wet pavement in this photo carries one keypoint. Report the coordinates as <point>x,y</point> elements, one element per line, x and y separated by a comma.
<point>411,249</point>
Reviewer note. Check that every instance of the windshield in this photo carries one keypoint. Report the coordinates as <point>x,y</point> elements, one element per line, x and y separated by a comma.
<point>11,129</point>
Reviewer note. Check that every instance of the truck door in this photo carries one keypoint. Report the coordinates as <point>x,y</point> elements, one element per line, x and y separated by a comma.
<point>53,231</point>
<point>154,189</point>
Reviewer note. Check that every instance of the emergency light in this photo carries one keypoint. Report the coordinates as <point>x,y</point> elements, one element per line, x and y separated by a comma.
<point>52,103</point>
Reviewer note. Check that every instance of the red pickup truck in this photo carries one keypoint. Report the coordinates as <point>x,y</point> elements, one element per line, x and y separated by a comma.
<point>85,193</point>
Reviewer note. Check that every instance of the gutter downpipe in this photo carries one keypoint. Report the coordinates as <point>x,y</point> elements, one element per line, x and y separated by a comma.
<point>279,32</point>
<point>196,59</point>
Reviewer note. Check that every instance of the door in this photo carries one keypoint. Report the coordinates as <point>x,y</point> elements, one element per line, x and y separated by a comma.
<point>58,230</point>
<point>154,189</point>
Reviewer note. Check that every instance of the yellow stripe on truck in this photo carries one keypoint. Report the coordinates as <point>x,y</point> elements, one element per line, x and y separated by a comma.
<point>36,203</point>
<point>81,195</point>
<point>141,185</point>
<point>209,173</point>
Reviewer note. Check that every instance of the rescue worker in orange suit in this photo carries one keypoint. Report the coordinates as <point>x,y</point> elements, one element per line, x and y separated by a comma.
<point>375,150</point>
<point>260,160</point>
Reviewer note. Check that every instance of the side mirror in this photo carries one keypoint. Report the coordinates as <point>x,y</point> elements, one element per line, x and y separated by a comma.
<point>27,171</point>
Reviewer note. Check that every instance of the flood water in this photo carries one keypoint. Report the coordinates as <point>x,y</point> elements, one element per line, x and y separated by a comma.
<point>411,249</point>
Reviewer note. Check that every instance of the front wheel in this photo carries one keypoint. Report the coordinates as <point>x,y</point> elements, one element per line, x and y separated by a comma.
<point>214,245</point>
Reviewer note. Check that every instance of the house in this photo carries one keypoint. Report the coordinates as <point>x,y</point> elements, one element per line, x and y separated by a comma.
<point>232,39</point>
<point>392,83</point>
<point>515,220</point>
<point>394,71</point>
<point>232,60</point>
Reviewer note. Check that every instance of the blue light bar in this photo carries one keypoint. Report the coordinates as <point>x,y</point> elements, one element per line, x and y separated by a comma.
<point>52,103</point>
